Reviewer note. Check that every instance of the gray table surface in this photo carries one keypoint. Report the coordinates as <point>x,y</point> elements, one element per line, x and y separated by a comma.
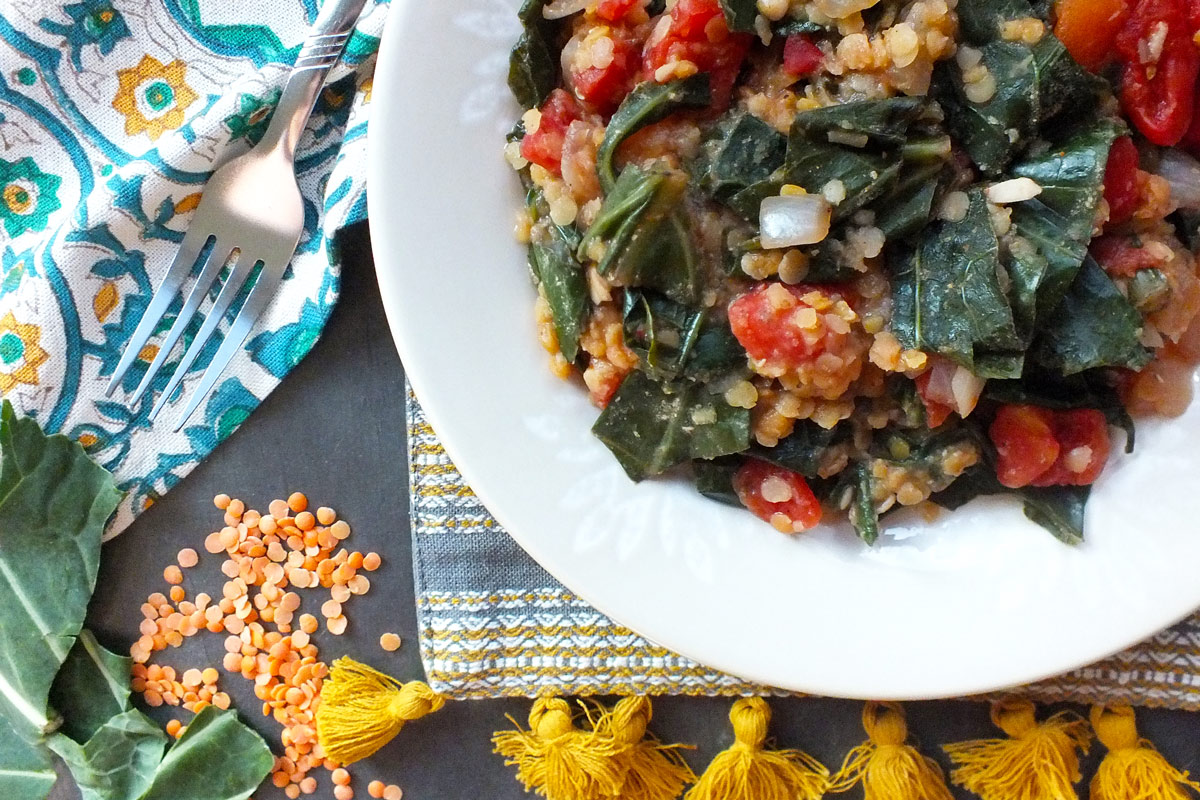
<point>335,429</point>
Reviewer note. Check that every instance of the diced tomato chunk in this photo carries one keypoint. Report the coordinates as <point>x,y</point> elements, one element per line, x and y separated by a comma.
<point>1084,445</point>
<point>777,495</point>
<point>1158,92</point>
<point>698,33</point>
<point>1122,256</point>
<point>1088,27</point>
<point>1026,447</point>
<point>544,146</point>
<point>938,403</point>
<point>603,88</point>
<point>801,57</point>
<point>1120,181</point>
<point>616,10</point>
<point>770,322</point>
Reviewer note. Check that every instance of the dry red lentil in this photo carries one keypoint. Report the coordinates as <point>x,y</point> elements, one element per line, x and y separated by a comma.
<point>266,557</point>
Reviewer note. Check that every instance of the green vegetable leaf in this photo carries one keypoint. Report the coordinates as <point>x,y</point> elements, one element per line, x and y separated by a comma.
<point>563,281</point>
<point>651,427</point>
<point>1093,326</point>
<point>740,14</point>
<point>863,514</point>
<point>647,104</point>
<point>532,66</point>
<point>742,151</point>
<point>91,687</point>
<point>646,238</point>
<point>1058,509</point>
<point>801,452</point>
<point>673,340</point>
<point>908,207</point>
<point>714,480</point>
<point>980,21</point>
<point>54,502</point>
<point>217,758</point>
<point>883,122</point>
<point>118,762</point>
<point>26,772</point>
<point>946,293</point>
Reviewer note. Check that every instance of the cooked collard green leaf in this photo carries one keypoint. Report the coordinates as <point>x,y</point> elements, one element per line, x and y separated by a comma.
<point>533,66</point>
<point>1058,509</point>
<point>651,427</point>
<point>884,122</point>
<point>946,291</point>
<point>565,285</point>
<point>647,104</point>
<point>740,14</point>
<point>677,341</point>
<point>741,151</point>
<point>1094,326</point>
<point>645,236</point>
<point>714,479</point>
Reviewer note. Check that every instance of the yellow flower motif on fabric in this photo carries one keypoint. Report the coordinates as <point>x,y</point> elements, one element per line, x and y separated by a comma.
<point>153,96</point>
<point>20,354</point>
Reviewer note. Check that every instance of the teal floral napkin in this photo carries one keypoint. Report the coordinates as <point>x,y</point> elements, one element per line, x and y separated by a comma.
<point>113,113</point>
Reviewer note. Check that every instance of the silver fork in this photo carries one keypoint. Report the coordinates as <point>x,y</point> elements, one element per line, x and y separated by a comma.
<point>252,210</point>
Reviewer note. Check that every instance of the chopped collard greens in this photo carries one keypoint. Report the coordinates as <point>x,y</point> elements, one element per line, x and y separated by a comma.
<point>833,259</point>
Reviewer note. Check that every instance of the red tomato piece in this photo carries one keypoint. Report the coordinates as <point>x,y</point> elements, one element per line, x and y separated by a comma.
<point>1087,28</point>
<point>545,145</point>
<point>801,57</point>
<point>697,32</point>
<point>764,320</point>
<point>1191,140</point>
<point>1026,447</point>
<point>1120,181</point>
<point>1121,257</point>
<point>777,495</point>
<point>937,397</point>
<point>604,88</point>
<point>1084,445</point>
<point>1159,96</point>
<point>616,10</point>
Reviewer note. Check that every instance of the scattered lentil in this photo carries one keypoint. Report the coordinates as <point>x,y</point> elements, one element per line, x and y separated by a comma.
<point>375,789</point>
<point>172,574</point>
<point>390,642</point>
<point>187,558</point>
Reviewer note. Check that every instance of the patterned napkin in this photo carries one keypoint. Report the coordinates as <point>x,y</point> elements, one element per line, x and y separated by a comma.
<point>494,624</point>
<point>113,113</point>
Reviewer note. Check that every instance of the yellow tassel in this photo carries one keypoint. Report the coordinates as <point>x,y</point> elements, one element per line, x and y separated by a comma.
<point>1132,769</point>
<point>362,709</point>
<point>1038,762</point>
<point>748,772</point>
<point>558,760</point>
<point>650,770</point>
<point>887,768</point>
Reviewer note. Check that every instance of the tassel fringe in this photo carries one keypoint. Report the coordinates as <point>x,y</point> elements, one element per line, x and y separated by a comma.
<point>650,770</point>
<point>747,771</point>
<point>362,709</point>
<point>1037,762</point>
<point>1133,769</point>
<point>887,768</point>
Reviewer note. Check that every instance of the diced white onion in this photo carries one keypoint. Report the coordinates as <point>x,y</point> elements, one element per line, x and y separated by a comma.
<point>1183,173</point>
<point>1014,190</point>
<point>794,220</point>
<point>967,387</point>
<point>557,9</point>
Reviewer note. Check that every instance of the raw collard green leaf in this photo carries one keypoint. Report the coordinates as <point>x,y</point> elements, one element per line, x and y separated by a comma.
<point>883,122</point>
<point>646,238</point>
<point>651,427</point>
<point>533,66</point>
<point>26,772</point>
<point>217,758</point>
<point>91,687</point>
<point>119,761</point>
<point>674,341</point>
<point>563,280</point>
<point>740,14</point>
<point>946,292</point>
<point>1094,326</point>
<point>743,151</point>
<point>54,502</point>
<point>647,104</point>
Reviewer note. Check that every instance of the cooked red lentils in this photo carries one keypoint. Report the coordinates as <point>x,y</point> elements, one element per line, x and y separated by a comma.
<point>266,557</point>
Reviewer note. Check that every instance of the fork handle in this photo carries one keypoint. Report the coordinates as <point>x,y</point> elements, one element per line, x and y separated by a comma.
<point>321,50</point>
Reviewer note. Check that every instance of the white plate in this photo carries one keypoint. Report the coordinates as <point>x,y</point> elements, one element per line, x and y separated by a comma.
<point>979,600</point>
